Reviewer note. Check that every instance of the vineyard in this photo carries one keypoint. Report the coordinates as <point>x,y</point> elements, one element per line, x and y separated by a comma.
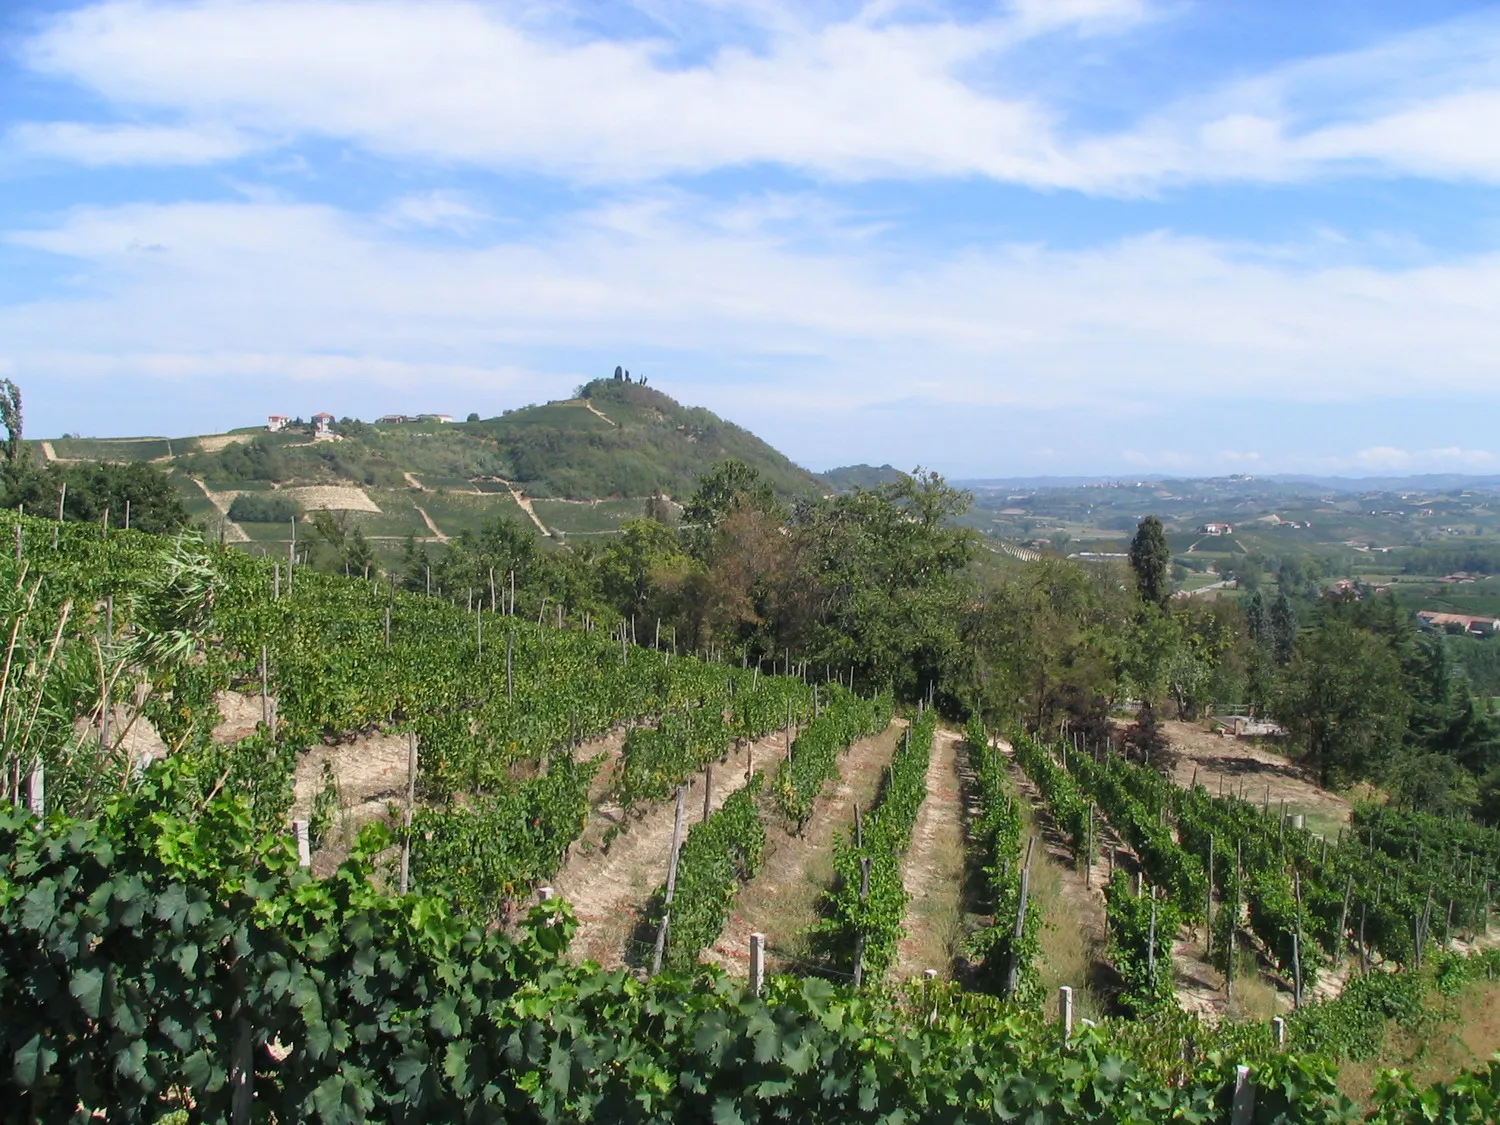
<point>538,913</point>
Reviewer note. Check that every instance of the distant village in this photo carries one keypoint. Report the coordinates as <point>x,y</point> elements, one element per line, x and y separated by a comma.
<point>322,422</point>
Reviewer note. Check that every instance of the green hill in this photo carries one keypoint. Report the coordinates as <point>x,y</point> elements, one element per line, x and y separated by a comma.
<point>576,467</point>
<point>625,439</point>
<point>847,478</point>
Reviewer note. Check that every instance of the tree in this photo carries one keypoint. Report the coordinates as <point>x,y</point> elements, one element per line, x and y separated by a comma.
<point>889,571</point>
<point>1283,628</point>
<point>10,418</point>
<point>473,416</point>
<point>1343,701</point>
<point>1150,558</point>
<point>729,486</point>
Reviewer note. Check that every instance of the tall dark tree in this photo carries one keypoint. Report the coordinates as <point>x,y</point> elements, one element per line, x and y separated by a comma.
<point>1256,620</point>
<point>1283,628</point>
<point>1343,701</point>
<point>1151,559</point>
<point>10,418</point>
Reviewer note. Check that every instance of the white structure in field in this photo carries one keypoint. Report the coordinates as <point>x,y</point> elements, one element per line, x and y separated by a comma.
<point>322,424</point>
<point>277,422</point>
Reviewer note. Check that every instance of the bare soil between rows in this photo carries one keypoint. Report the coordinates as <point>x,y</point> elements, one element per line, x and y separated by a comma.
<point>781,901</point>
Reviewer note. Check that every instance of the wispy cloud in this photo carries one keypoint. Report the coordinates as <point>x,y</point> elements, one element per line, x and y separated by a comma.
<point>1140,320</point>
<point>96,145</point>
<point>875,95</point>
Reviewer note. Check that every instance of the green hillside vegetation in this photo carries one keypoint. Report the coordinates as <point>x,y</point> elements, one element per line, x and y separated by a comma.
<point>649,444</point>
<point>849,477</point>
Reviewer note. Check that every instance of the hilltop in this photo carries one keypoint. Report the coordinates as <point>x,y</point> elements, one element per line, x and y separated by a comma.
<point>579,466</point>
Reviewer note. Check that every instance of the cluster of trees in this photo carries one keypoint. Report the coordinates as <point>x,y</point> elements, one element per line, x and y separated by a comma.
<point>83,491</point>
<point>875,584</point>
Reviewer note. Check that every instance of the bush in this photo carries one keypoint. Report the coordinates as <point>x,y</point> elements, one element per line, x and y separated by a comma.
<point>250,507</point>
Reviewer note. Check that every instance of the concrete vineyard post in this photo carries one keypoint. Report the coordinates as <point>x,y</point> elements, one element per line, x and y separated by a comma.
<point>265,696</point>
<point>510,686</point>
<point>666,918</point>
<point>1278,1032</point>
<point>304,843</point>
<point>1065,1012</point>
<point>1242,1108</point>
<point>708,789</point>
<point>544,894</point>
<point>757,963</point>
<point>36,791</point>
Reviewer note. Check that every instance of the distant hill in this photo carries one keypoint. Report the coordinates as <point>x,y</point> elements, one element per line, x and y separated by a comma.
<point>849,477</point>
<point>576,467</point>
<point>625,439</point>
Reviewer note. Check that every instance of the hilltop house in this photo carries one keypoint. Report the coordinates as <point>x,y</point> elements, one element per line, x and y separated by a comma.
<point>322,424</point>
<point>1480,625</point>
<point>1216,529</point>
<point>277,422</point>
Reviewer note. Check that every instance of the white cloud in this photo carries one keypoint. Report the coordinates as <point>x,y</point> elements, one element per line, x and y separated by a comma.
<point>881,94</point>
<point>436,210</point>
<point>1387,458</point>
<point>1083,15</point>
<point>1141,322</point>
<point>127,144</point>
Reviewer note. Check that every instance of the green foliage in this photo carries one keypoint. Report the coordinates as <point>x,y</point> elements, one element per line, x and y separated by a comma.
<point>1141,932</point>
<point>1070,808</point>
<point>483,853</point>
<point>997,832</point>
<point>655,445</point>
<point>718,855</point>
<point>94,488</point>
<point>815,751</point>
<point>1343,701</point>
<point>1151,558</point>
<point>137,949</point>
<point>264,507</point>
<point>889,566</point>
<point>873,924</point>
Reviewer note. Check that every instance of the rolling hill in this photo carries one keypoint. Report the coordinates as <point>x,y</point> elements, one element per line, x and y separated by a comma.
<point>580,466</point>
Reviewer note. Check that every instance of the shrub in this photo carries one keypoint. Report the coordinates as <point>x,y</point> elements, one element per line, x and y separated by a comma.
<point>251,507</point>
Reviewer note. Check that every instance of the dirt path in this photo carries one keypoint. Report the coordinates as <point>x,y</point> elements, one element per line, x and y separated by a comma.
<point>592,409</point>
<point>782,901</point>
<point>1082,900</point>
<point>933,873</point>
<point>412,480</point>
<point>525,506</point>
<point>1231,764</point>
<point>233,532</point>
<point>48,453</point>
<point>437,532</point>
<point>608,889</point>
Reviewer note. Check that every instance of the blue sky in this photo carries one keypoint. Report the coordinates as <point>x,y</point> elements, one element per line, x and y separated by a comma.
<point>1042,236</point>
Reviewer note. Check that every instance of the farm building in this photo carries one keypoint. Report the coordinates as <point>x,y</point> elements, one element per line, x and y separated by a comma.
<point>277,422</point>
<point>322,424</point>
<point>1483,625</point>
<point>1216,529</point>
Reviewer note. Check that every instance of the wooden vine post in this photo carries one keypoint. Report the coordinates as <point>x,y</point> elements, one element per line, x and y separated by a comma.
<point>859,940</point>
<point>1208,906</point>
<point>411,800</point>
<point>666,917</point>
<point>1013,970</point>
